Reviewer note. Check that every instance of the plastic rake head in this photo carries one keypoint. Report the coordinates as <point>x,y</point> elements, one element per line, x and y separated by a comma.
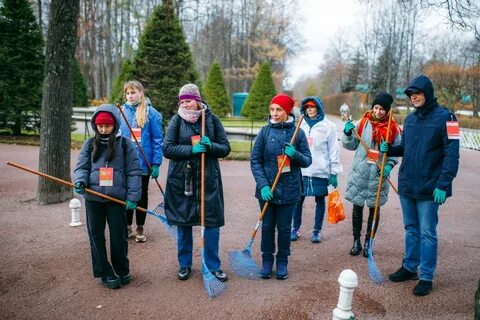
<point>243,265</point>
<point>213,286</point>
<point>373,270</point>
<point>158,212</point>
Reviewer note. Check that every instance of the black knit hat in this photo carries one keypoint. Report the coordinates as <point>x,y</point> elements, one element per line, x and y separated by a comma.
<point>384,99</point>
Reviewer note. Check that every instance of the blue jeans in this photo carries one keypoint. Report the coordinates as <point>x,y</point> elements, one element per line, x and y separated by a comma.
<point>185,247</point>
<point>420,219</point>
<point>280,217</point>
<point>319,213</point>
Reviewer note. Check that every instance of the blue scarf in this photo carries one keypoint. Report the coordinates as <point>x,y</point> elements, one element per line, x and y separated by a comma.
<point>312,121</point>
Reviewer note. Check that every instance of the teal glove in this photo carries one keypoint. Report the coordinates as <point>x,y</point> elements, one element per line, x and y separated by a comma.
<point>348,128</point>
<point>439,196</point>
<point>289,150</point>
<point>384,146</point>
<point>79,188</point>
<point>386,170</point>
<point>333,180</point>
<point>130,205</point>
<point>199,148</point>
<point>206,142</point>
<point>266,193</point>
<point>155,171</point>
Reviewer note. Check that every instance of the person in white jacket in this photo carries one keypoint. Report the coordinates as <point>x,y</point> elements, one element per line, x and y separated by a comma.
<point>322,140</point>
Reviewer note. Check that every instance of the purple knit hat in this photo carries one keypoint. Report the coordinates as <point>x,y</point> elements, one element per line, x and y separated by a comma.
<point>190,91</point>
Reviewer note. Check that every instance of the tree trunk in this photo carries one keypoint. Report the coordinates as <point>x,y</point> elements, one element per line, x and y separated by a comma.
<point>57,101</point>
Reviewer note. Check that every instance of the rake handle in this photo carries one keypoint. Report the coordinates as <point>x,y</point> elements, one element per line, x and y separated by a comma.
<point>202,184</point>
<point>277,178</point>
<point>139,147</point>
<point>69,184</point>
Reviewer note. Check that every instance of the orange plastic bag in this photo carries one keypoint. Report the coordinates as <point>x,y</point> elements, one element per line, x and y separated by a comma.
<point>336,212</point>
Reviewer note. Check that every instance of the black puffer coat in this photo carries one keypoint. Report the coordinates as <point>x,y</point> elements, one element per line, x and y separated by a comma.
<point>181,209</point>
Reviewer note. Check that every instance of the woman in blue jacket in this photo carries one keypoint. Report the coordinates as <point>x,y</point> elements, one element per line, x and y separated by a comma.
<point>146,124</point>
<point>108,164</point>
<point>271,145</point>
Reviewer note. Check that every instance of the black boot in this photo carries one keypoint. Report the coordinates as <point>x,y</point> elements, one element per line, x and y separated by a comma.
<point>366,248</point>
<point>357,247</point>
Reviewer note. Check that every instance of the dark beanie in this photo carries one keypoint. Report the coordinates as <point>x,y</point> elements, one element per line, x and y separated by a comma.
<point>384,99</point>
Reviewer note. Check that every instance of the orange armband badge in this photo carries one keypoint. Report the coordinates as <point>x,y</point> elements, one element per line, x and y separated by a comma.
<point>286,165</point>
<point>372,156</point>
<point>453,130</point>
<point>195,140</point>
<point>137,133</point>
<point>106,177</point>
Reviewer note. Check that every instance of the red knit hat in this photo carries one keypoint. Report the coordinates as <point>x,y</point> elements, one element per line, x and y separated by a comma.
<point>104,117</point>
<point>284,101</point>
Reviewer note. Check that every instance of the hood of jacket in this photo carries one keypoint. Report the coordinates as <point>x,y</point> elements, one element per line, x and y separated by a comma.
<point>422,83</point>
<point>112,110</point>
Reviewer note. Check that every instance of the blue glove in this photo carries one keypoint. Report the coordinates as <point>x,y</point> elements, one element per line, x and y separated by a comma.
<point>384,146</point>
<point>130,205</point>
<point>333,180</point>
<point>206,142</point>
<point>439,196</point>
<point>348,128</point>
<point>386,170</point>
<point>199,148</point>
<point>289,150</point>
<point>79,188</point>
<point>155,171</point>
<point>266,193</point>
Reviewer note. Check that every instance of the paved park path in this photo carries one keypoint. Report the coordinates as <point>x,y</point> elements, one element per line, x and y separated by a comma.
<point>45,266</point>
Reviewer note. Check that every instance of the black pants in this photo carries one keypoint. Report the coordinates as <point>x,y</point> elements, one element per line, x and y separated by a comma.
<point>98,214</point>
<point>140,216</point>
<point>357,220</point>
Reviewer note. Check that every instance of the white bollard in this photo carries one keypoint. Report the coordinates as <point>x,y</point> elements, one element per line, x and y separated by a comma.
<point>348,282</point>
<point>75,207</point>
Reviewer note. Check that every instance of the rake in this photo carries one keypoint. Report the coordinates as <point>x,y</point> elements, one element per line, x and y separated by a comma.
<point>213,286</point>
<point>241,261</point>
<point>373,270</point>
<point>173,230</point>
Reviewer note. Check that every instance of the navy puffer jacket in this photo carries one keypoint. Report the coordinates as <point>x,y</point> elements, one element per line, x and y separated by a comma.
<point>430,158</point>
<point>269,144</point>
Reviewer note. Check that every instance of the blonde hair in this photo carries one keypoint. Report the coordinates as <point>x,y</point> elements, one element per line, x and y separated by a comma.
<point>142,113</point>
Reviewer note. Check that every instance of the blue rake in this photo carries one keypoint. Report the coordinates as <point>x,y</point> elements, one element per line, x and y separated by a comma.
<point>373,271</point>
<point>158,213</point>
<point>242,263</point>
<point>213,286</point>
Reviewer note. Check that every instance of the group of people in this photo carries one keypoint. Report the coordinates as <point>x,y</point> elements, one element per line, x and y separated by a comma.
<point>288,164</point>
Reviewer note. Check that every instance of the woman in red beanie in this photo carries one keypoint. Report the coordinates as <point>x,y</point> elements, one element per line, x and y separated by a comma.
<point>272,143</point>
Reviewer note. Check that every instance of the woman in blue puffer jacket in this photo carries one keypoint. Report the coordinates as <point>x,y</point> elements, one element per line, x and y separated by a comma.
<point>271,145</point>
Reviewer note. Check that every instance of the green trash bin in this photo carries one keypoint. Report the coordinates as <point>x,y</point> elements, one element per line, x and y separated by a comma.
<point>238,101</point>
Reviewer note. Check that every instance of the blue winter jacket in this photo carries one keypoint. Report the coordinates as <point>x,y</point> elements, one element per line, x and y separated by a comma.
<point>430,158</point>
<point>270,143</point>
<point>152,136</point>
<point>125,163</point>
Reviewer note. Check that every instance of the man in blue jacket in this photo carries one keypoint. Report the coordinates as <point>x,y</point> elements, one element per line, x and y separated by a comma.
<point>430,163</point>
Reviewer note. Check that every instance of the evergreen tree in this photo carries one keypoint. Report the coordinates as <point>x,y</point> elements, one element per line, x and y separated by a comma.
<point>21,65</point>
<point>127,72</point>
<point>80,96</point>
<point>215,93</point>
<point>164,62</point>
<point>262,91</point>
<point>354,72</point>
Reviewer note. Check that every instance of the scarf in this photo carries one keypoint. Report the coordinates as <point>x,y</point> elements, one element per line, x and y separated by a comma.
<point>312,121</point>
<point>190,116</point>
<point>379,128</point>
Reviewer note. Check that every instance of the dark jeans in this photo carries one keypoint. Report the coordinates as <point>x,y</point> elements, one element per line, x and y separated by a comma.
<point>319,213</point>
<point>185,247</point>
<point>140,216</point>
<point>98,215</point>
<point>280,217</point>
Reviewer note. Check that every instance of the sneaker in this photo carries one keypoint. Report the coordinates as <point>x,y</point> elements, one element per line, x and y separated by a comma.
<point>316,236</point>
<point>402,274</point>
<point>282,271</point>
<point>423,288</point>
<point>124,280</point>
<point>220,275</point>
<point>184,273</point>
<point>266,271</point>
<point>140,237</point>
<point>129,232</point>
<point>111,282</point>
<point>295,234</point>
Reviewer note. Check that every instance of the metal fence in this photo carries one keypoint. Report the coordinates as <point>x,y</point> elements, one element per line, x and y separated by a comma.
<point>470,139</point>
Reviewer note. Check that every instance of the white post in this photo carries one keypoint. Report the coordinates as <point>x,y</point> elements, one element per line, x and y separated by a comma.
<point>75,207</point>
<point>348,282</point>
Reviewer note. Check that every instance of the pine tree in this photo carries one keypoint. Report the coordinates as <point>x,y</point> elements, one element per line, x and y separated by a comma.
<point>21,65</point>
<point>215,93</point>
<point>127,72</point>
<point>262,91</point>
<point>164,62</point>
<point>80,95</point>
